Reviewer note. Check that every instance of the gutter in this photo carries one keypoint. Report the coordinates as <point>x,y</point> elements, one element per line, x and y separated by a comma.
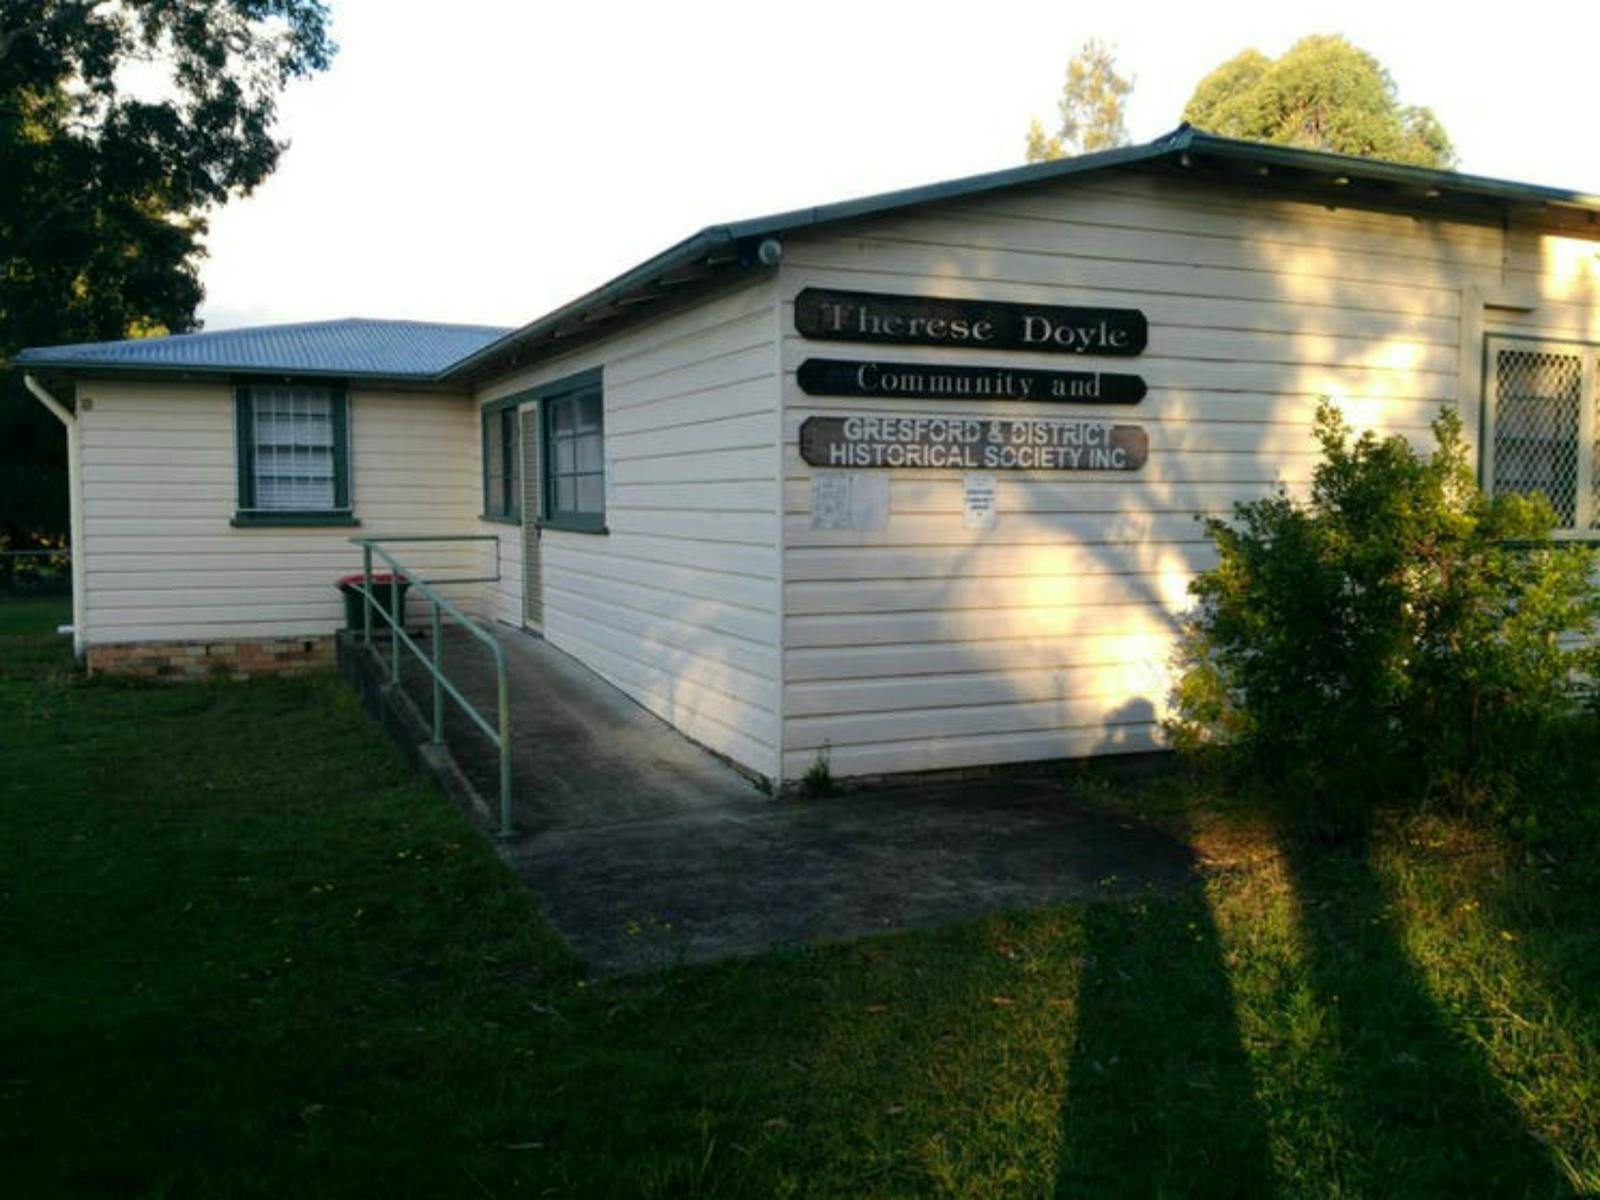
<point>80,597</point>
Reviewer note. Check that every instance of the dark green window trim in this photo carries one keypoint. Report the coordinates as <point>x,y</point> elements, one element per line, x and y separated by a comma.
<point>546,393</point>
<point>247,514</point>
<point>576,522</point>
<point>512,401</point>
<point>573,394</point>
<point>502,488</point>
<point>269,520</point>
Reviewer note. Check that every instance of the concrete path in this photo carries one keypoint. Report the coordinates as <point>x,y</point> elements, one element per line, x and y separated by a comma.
<point>645,849</point>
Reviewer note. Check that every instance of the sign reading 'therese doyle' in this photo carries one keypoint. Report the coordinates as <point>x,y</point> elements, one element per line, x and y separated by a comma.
<point>973,443</point>
<point>984,324</point>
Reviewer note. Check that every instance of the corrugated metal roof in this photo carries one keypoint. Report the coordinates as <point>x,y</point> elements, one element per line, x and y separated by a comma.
<point>349,348</point>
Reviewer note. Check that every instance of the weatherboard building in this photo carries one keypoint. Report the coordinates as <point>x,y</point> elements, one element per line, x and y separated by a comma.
<point>909,482</point>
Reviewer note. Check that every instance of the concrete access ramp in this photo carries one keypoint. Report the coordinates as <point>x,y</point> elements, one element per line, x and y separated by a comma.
<point>645,849</point>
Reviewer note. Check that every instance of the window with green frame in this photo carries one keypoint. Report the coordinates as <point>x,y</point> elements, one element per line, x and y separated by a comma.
<point>574,458</point>
<point>502,466</point>
<point>293,445</point>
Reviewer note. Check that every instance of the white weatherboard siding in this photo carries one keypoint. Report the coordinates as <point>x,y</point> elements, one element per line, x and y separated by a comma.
<point>160,486</point>
<point>926,645</point>
<point>677,605</point>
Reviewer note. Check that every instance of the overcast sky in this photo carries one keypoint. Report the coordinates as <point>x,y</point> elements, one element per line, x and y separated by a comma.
<point>485,160</point>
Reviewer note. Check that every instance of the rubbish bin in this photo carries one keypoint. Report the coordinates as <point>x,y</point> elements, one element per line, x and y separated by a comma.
<point>383,595</point>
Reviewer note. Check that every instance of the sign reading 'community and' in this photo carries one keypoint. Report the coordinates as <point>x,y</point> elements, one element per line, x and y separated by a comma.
<point>925,381</point>
<point>981,324</point>
<point>973,443</point>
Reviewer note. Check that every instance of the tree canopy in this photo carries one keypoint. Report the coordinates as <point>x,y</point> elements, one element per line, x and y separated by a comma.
<point>1323,94</point>
<point>1091,108</point>
<point>120,126</point>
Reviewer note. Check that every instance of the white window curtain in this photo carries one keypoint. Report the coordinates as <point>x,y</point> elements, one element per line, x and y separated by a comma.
<point>294,448</point>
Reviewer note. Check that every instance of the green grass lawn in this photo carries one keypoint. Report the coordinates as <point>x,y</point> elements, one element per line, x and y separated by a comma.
<point>243,951</point>
<point>33,618</point>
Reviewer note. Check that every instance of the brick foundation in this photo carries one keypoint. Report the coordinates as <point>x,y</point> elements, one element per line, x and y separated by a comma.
<point>238,659</point>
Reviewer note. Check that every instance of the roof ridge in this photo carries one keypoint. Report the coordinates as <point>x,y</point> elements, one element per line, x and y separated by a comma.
<point>376,321</point>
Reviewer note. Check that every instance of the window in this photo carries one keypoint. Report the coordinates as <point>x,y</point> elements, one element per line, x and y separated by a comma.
<point>502,489</point>
<point>294,455</point>
<point>1542,415</point>
<point>574,458</point>
<point>570,484</point>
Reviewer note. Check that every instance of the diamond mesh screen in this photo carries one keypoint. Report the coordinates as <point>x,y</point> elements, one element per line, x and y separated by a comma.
<point>1594,450</point>
<point>1539,395</point>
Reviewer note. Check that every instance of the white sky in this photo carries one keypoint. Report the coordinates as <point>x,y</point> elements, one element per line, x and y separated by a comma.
<point>486,160</point>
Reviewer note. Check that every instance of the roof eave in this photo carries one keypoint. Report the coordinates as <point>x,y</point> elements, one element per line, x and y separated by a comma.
<point>1382,170</point>
<point>82,369</point>
<point>968,185</point>
<point>712,247</point>
<point>728,239</point>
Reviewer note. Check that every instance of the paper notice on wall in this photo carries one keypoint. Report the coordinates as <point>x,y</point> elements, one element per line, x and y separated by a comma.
<point>849,500</point>
<point>979,510</point>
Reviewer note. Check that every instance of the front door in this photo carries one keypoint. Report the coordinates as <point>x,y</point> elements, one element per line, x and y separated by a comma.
<point>530,441</point>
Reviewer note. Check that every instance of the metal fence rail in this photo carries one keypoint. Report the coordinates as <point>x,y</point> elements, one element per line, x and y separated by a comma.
<point>499,731</point>
<point>42,572</point>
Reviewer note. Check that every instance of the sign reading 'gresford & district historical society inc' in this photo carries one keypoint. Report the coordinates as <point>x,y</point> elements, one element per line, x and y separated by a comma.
<point>982,324</point>
<point>973,443</point>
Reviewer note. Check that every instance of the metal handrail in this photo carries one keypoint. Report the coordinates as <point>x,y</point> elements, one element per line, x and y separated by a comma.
<point>500,732</point>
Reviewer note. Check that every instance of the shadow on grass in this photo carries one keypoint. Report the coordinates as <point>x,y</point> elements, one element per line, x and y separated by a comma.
<point>1511,947</point>
<point>1418,1110</point>
<point>1160,1099</point>
<point>1551,899</point>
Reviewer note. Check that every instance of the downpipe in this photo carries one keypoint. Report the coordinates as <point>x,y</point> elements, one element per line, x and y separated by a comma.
<point>80,604</point>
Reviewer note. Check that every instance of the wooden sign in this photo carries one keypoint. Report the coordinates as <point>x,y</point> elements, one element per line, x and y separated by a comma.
<point>973,443</point>
<point>988,324</point>
<point>928,381</point>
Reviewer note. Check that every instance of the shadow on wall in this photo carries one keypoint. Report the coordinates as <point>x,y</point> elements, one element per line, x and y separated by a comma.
<point>1257,308</point>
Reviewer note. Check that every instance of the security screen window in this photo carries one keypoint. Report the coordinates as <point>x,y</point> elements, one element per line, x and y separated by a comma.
<point>294,453</point>
<point>1544,413</point>
<point>575,487</point>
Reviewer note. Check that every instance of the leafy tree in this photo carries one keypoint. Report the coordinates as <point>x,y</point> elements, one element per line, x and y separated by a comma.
<point>1323,94</point>
<point>1397,632</point>
<point>121,124</point>
<point>1092,103</point>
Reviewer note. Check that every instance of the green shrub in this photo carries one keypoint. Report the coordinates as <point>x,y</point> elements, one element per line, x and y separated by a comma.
<point>1397,634</point>
<point>818,779</point>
